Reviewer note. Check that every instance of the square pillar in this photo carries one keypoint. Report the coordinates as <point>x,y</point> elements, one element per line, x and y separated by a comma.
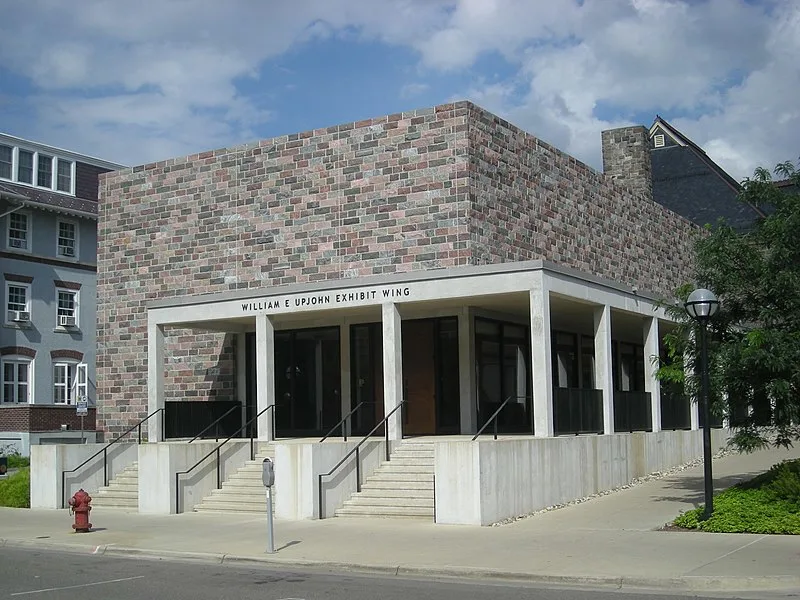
<point>651,384</point>
<point>604,375</point>
<point>265,375</point>
<point>466,372</point>
<point>155,381</point>
<point>694,403</point>
<point>392,368</point>
<point>541,358</point>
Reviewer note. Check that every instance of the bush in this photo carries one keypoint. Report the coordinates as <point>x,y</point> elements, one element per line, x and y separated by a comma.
<point>17,461</point>
<point>769,503</point>
<point>15,491</point>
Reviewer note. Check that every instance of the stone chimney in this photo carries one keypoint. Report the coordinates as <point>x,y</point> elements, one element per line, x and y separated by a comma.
<point>626,158</point>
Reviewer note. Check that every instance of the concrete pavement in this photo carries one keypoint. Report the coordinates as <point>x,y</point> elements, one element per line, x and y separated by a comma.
<point>612,540</point>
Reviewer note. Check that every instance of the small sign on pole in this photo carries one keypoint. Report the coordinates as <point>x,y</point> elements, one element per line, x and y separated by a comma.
<point>82,409</point>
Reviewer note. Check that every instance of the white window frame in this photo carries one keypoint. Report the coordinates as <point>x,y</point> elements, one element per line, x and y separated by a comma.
<point>51,159</point>
<point>76,294</point>
<point>28,231</point>
<point>71,190</point>
<point>7,304</point>
<point>76,239</point>
<point>17,361</point>
<point>54,159</point>
<point>82,381</point>
<point>32,182</point>
<point>68,386</point>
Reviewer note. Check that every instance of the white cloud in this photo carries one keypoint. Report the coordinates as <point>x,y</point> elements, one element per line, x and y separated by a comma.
<point>146,80</point>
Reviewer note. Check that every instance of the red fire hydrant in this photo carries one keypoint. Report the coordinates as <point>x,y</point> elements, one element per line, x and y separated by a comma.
<point>79,504</point>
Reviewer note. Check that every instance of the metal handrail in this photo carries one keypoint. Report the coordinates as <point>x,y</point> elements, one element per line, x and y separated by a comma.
<point>227,412</point>
<point>216,451</point>
<point>356,451</point>
<point>494,417</point>
<point>344,429</point>
<point>104,452</point>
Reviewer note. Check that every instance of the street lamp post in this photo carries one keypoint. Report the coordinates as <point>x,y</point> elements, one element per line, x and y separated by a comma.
<point>701,305</point>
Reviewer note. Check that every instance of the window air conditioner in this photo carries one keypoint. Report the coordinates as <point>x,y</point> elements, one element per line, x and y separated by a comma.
<point>66,250</point>
<point>19,316</point>
<point>66,321</point>
<point>17,243</point>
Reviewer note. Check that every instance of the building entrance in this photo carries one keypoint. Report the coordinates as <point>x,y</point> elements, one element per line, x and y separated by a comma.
<point>430,376</point>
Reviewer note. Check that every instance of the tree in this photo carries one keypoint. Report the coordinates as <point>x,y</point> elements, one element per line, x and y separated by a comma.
<point>754,341</point>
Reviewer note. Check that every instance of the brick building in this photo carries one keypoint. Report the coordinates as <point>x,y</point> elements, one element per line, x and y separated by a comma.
<point>442,259</point>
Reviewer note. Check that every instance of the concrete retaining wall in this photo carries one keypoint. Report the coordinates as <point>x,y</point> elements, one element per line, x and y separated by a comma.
<point>158,463</point>
<point>48,462</point>
<point>297,469</point>
<point>482,482</point>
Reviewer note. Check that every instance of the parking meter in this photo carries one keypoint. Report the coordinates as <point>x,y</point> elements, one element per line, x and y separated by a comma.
<point>268,479</point>
<point>268,473</point>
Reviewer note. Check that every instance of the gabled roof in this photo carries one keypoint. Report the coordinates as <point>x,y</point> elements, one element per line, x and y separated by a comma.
<point>47,200</point>
<point>690,183</point>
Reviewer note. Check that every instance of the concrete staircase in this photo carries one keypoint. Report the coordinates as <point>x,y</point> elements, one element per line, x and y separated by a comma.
<point>243,492</point>
<point>399,488</point>
<point>122,492</point>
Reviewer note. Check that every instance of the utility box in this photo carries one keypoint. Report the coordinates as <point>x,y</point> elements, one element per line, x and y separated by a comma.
<point>268,473</point>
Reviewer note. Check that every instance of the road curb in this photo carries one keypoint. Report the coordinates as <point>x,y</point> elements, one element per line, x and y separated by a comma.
<point>685,583</point>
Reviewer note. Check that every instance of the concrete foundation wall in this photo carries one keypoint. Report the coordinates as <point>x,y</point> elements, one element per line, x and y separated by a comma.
<point>49,460</point>
<point>482,482</point>
<point>158,463</point>
<point>297,470</point>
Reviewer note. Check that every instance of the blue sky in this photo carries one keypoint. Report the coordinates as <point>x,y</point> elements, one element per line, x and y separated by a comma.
<point>137,82</point>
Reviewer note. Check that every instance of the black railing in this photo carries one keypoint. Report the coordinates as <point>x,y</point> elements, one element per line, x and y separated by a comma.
<point>632,411</point>
<point>495,417</point>
<point>357,452</point>
<point>675,411</point>
<point>344,424</point>
<point>216,451</point>
<point>217,421</point>
<point>104,452</point>
<point>577,410</point>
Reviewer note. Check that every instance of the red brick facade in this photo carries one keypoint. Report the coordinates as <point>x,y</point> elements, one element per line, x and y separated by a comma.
<point>44,417</point>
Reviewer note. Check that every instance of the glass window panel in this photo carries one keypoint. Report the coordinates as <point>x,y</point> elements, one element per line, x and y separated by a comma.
<point>6,153</point>
<point>18,230</point>
<point>483,327</point>
<point>64,179</point>
<point>66,304</point>
<point>25,166</point>
<point>17,297</point>
<point>44,177</point>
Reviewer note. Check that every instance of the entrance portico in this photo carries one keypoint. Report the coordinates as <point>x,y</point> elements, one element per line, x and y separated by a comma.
<point>454,344</point>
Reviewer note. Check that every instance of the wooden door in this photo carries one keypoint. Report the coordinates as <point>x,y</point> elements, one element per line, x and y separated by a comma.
<point>419,377</point>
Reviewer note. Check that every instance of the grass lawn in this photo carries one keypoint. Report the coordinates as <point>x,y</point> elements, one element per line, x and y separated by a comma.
<point>769,503</point>
<point>15,490</point>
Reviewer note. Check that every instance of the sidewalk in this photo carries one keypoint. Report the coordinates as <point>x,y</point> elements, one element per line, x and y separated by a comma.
<point>612,540</point>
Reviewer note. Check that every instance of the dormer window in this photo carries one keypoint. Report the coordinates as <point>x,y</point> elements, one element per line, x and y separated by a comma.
<point>39,169</point>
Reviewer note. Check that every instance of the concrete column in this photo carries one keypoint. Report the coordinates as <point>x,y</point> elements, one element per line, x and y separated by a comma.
<point>541,358</point>
<point>392,368</point>
<point>604,379</point>
<point>241,373</point>
<point>265,375</point>
<point>155,380</point>
<point>651,384</point>
<point>694,403</point>
<point>344,354</point>
<point>466,372</point>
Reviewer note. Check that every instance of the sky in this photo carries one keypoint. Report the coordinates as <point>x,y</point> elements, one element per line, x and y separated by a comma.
<point>135,82</point>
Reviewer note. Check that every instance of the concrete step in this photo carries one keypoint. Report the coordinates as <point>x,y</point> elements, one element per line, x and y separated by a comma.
<point>242,491</point>
<point>392,484</point>
<point>386,512</point>
<point>401,468</point>
<point>122,491</point>
<point>396,494</point>
<point>402,461</point>
<point>209,505</point>
<point>115,502</point>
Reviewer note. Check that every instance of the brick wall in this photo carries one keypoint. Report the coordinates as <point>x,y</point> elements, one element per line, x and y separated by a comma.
<point>384,195</point>
<point>32,417</point>
<point>532,201</point>
<point>626,158</point>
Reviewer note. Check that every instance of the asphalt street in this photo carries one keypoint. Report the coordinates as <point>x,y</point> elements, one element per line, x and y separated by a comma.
<point>27,573</point>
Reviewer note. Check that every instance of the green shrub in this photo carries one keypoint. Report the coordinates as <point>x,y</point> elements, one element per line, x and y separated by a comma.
<point>769,503</point>
<point>15,491</point>
<point>17,461</point>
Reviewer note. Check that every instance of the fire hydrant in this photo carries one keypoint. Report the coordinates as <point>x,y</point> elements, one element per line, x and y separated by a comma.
<point>79,505</point>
